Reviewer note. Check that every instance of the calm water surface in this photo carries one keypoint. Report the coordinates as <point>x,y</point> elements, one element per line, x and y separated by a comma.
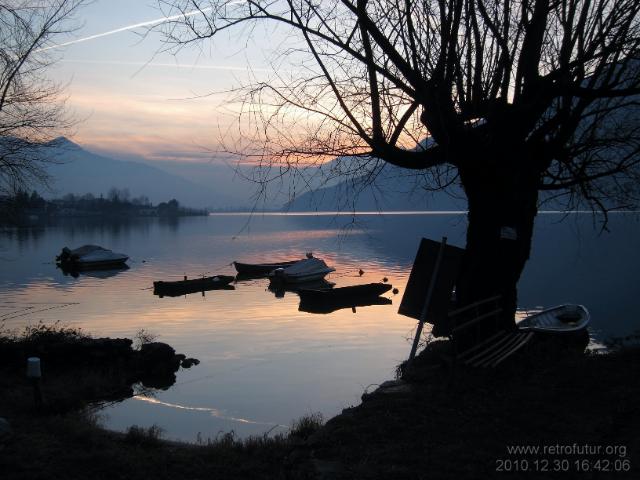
<point>264,362</point>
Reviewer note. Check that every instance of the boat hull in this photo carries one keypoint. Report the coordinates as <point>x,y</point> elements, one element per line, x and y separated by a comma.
<point>260,269</point>
<point>560,319</point>
<point>90,257</point>
<point>329,300</point>
<point>194,285</point>
<point>303,271</point>
<point>350,292</point>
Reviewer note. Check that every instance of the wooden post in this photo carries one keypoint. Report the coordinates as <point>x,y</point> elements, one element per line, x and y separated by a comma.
<point>425,308</point>
<point>35,374</point>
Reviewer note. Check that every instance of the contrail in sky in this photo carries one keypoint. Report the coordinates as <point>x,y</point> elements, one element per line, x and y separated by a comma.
<point>148,23</point>
<point>168,65</point>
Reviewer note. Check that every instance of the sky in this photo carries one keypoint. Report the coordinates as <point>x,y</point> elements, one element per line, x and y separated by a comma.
<point>133,99</point>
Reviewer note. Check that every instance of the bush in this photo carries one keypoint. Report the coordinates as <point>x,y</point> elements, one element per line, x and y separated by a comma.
<point>151,436</point>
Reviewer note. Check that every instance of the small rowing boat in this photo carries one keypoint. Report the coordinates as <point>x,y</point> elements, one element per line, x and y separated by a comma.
<point>329,300</point>
<point>248,270</point>
<point>192,285</point>
<point>560,319</point>
<point>350,292</point>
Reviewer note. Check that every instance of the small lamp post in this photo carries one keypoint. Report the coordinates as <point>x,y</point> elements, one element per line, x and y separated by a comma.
<point>34,373</point>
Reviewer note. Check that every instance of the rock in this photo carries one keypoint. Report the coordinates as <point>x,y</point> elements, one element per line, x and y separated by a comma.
<point>157,364</point>
<point>157,352</point>
<point>189,362</point>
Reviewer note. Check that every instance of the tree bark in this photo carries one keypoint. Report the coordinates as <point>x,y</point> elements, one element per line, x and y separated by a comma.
<point>502,195</point>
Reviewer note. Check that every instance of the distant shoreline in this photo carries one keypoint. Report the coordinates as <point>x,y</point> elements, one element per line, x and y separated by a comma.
<point>395,212</point>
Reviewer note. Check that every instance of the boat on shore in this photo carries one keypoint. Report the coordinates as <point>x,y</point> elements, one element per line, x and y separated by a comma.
<point>89,257</point>
<point>307,270</point>
<point>192,285</point>
<point>560,319</point>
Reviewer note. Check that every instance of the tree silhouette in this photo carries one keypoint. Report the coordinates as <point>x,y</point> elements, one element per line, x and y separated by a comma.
<point>32,113</point>
<point>507,98</point>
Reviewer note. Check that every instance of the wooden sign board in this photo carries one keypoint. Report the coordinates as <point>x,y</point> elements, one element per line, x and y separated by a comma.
<point>415,293</point>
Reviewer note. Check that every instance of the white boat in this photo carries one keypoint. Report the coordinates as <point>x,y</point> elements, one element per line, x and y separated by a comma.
<point>560,319</point>
<point>306,270</point>
<point>90,256</point>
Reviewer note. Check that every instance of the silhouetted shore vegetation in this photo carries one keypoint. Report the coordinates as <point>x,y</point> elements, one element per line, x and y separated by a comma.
<point>24,207</point>
<point>431,422</point>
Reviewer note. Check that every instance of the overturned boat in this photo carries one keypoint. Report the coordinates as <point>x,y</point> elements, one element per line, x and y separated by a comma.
<point>90,257</point>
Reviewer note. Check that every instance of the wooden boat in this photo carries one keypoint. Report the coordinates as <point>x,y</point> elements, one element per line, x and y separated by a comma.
<point>89,257</point>
<point>329,300</point>
<point>351,292</point>
<point>306,270</point>
<point>256,270</point>
<point>193,285</point>
<point>560,319</point>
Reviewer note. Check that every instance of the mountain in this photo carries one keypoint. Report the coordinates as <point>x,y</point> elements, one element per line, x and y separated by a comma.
<point>79,171</point>
<point>239,182</point>
<point>392,189</point>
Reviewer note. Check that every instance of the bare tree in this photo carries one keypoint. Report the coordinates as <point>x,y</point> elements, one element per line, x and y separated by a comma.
<point>511,97</point>
<point>32,113</point>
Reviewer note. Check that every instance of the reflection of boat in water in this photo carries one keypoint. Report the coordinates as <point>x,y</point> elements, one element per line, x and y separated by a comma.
<point>89,257</point>
<point>340,303</point>
<point>560,319</point>
<point>330,300</point>
<point>102,273</point>
<point>302,271</point>
<point>193,285</point>
<point>279,289</point>
<point>258,270</point>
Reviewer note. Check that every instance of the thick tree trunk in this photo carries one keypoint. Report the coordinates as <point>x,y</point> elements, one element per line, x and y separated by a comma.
<point>502,201</point>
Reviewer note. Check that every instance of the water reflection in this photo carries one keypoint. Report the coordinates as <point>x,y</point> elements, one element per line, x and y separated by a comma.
<point>263,358</point>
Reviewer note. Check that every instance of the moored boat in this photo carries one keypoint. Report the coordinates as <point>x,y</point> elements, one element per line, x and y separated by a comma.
<point>329,300</point>
<point>192,285</point>
<point>260,269</point>
<point>350,292</point>
<point>560,319</point>
<point>279,288</point>
<point>306,270</point>
<point>89,257</point>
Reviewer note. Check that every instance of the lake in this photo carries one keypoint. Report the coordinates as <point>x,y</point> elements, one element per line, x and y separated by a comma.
<point>264,363</point>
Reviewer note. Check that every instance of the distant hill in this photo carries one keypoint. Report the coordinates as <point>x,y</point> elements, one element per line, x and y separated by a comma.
<point>394,189</point>
<point>81,171</point>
